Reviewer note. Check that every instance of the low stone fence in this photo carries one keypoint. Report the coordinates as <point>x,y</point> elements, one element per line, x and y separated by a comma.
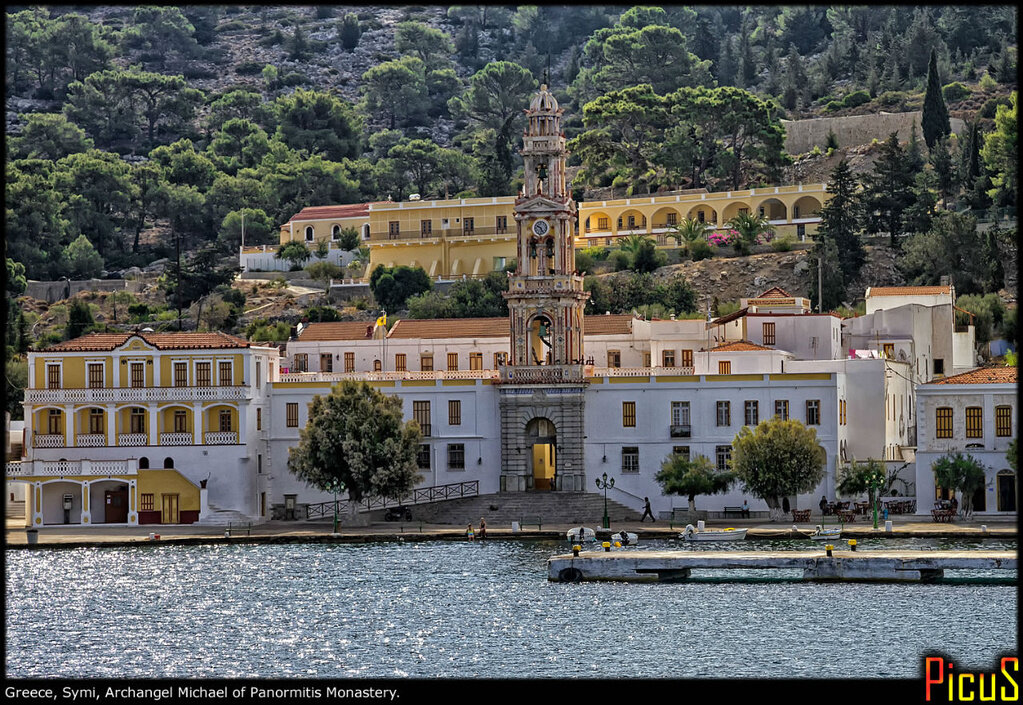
<point>53,291</point>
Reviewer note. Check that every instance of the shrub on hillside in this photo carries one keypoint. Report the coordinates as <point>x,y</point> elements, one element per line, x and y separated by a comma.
<point>954,92</point>
<point>856,98</point>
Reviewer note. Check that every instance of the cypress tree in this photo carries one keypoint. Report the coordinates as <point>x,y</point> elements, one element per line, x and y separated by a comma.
<point>840,221</point>
<point>935,122</point>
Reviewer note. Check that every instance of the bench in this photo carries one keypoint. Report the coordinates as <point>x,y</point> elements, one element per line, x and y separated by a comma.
<point>733,511</point>
<point>532,521</point>
<point>942,516</point>
<point>800,515</point>
<point>247,528</point>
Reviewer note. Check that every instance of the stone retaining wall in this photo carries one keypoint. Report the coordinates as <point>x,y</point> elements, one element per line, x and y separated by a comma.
<point>802,136</point>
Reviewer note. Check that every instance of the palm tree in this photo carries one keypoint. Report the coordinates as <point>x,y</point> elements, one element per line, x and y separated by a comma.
<point>688,231</point>
<point>750,227</point>
<point>681,476</point>
<point>633,243</point>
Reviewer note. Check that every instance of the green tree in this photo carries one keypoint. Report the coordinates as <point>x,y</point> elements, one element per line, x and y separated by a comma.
<point>239,144</point>
<point>298,45</point>
<point>48,136</point>
<point>648,258</point>
<point>935,123</point>
<point>15,383</point>
<point>824,261</point>
<point>259,229</point>
<point>349,239</point>
<point>355,439</point>
<point>295,252</point>
<point>162,33</point>
<point>988,312</point>
<point>688,478</point>
<point>1001,155</point>
<point>777,459</point>
<point>98,190</point>
<point>962,474</point>
<point>36,223</point>
<point>324,271</point>
<point>687,231</point>
<point>863,478</point>
<point>951,247</point>
<point>888,191</point>
<point>396,91</point>
<point>80,319</point>
<point>349,31</point>
<point>83,261</point>
<point>432,46</point>
<point>392,286</point>
<point>840,221</point>
<point>752,229</point>
<point>320,123</point>
<point>182,165</point>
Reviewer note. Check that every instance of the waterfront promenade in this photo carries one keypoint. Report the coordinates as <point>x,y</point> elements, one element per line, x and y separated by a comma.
<point>312,532</point>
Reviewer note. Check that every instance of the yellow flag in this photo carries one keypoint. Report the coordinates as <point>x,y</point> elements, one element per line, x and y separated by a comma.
<point>382,321</point>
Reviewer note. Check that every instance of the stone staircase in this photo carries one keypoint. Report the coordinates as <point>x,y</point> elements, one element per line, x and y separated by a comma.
<point>224,517</point>
<point>503,508</point>
<point>16,509</point>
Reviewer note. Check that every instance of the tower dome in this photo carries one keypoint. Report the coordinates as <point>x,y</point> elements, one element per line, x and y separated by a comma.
<point>544,101</point>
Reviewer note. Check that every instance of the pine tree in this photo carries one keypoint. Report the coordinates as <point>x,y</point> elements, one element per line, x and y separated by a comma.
<point>935,121</point>
<point>840,221</point>
<point>888,191</point>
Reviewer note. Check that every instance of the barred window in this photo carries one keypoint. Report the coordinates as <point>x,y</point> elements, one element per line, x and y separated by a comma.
<point>224,417</point>
<point>724,415</point>
<point>502,223</point>
<point>181,421</point>
<point>53,376</point>
<point>667,358</point>
<point>393,230</point>
<point>813,412</point>
<point>687,358</point>
<point>1003,421</point>
<point>291,411</point>
<point>456,456</point>
<point>423,457</point>
<point>781,409</point>
<point>146,501</point>
<point>421,415</point>
<point>452,362</point>
<point>138,374</point>
<point>399,362</point>
<point>454,412</point>
<point>224,374</point>
<point>425,227</point>
<point>752,409</point>
<point>603,223</point>
<point>137,421</point>
<point>180,374</point>
<point>259,419</point>
<point>349,362</point>
<point>467,225</point>
<point>614,358</point>
<point>724,367</point>
<point>95,375</point>
<point>769,334</point>
<point>629,414</point>
<point>630,459</point>
<point>724,457</point>
<point>95,421</point>
<point>204,374</point>
<point>974,422</point>
<point>943,422</point>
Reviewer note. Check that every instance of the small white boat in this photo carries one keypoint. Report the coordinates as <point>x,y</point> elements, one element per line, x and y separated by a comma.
<point>580,534</point>
<point>693,534</point>
<point>625,538</point>
<point>822,534</point>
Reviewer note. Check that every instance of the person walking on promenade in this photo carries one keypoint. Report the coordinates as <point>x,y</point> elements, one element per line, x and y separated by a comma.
<point>646,511</point>
<point>483,528</point>
<point>745,509</point>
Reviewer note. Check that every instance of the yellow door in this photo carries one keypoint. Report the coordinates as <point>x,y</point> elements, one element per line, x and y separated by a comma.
<point>169,514</point>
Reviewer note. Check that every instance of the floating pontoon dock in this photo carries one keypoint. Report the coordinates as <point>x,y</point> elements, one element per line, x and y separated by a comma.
<point>675,566</point>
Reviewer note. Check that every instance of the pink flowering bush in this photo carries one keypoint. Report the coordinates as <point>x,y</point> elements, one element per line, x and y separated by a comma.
<point>723,239</point>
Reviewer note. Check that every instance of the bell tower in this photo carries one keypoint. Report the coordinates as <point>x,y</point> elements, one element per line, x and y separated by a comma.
<point>541,398</point>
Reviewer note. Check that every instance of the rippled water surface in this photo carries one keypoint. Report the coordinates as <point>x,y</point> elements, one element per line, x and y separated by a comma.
<point>483,609</point>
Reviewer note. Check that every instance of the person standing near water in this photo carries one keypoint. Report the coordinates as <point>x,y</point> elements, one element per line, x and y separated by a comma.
<point>483,528</point>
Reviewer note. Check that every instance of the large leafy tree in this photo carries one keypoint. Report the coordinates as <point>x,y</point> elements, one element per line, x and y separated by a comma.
<point>162,33</point>
<point>99,191</point>
<point>688,478</point>
<point>963,474</point>
<point>320,123</point>
<point>356,439</point>
<point>888,191</point>
<point>431,46</point>
<point>1001,154</point>
<point>392,286</point>
<point>397,92</point>
<point>48,136</point>
<point>35,223</point>
<point>952,246</point>
<point>751,136</point>
<point>777,459</point>
<point>864,478</point>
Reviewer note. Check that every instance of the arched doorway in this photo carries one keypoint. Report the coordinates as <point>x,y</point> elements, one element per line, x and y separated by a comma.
<point>540,329</point>
<point>542,439</point>
<point>1006,491</point>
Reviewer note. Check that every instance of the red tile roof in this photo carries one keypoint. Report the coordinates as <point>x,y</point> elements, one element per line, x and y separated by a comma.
<point>615,324</point>
<point>983,375</point>
<point>451,328</point>
<point>350,210</point>
<point>908,290</point>
<point>99,342</point>
<point>775,292</point>
<point>739,346</point>
<point>341,330</point>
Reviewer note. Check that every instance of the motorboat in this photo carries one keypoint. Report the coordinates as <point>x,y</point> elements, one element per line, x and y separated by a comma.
<point>690,533</point>
<point>580,534</point>
<point>822,534</point>
<point>625,538</point>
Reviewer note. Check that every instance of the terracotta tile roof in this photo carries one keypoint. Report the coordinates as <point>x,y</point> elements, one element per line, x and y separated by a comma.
<point>908,290</point>
<point>451,328</point>
<point>341,330</point>
<point>161,341</point>
<point>729,317</point>
<point>350,210</point>
<point>739,346</point>
<point>615,324</point>
<point>774,293</point>
<point>983,375</point>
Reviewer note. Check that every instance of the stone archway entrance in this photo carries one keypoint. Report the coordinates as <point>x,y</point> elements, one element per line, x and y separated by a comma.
<point>543,453</point>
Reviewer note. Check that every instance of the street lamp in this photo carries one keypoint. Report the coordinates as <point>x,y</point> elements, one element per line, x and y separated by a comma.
<point>336,486</point>
<point>603,483</point>
<point>875,481</point>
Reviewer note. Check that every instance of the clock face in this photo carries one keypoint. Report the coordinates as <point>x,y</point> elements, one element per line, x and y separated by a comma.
<point>541,227</point>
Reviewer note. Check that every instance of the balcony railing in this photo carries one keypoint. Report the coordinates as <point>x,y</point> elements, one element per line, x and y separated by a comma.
<point>132,439</point>
<point>175,439</point>
<point>65,468</point>
<point>387,376</point>
<point>219,438</point>
<point>90,440</point>
<point>542,374</point>
<point>16,468</point>
<point>143,394</point>
<point>639,371</point>
<point>48,440</point>
<point>680,430</point>
<point>447,233</point>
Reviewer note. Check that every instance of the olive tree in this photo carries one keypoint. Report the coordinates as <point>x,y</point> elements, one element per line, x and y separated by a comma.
<point>776,459</point>
<point>681,476</point>
<point>355,439</point>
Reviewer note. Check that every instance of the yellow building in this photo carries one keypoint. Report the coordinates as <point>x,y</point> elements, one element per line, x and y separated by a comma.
<point>791,209</point>
<point>126,428</point>
<point>318,223</point>
<point>448,238</point>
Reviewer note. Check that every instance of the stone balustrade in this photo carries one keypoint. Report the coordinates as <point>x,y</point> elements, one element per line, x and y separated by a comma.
<point>175,439</point>
<point>133,439</point>
<point>221,438</point>
<point>70,468</point>
<point>135,394</point>
<point>90,440</point>
<point>542,374</point>
<point>332,377</point>
<point>48,440</point>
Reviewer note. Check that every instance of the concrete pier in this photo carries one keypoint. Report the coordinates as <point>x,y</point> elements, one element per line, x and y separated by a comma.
<point>675,566</point>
